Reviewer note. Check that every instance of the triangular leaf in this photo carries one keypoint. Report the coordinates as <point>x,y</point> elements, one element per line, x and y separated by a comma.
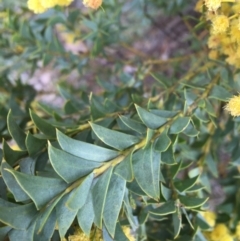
<point>162,143</point>
<point>164,209</point>
<point>220,93</point>
<point>134,125</point>
<point>79,195</point>
<point>86,215</point>
<point>115,139</point>
<point>45,127</point>
<point>40,189</point>
<point>113,203</point>
<point>177,223</point>
<point>179,125</point>
<point>166,192</point>
<point>48,229</point>
<point>191,131</point>
<point>129,211</point>
<point>164,113</point>
<point>10,155</point>
<point>70,167</point>
<point>16,235</point>
<point>174,169</point>
<point>124,168</point>
<point>97,110</point>
<point>146,167</point>
<point>192,202</point>
<point>13,216</point>
<point>134,187</point>
<point>151,120</point>
<point>167,157</point>
<point>4,231</point>
<point>99,193</point>
<point>34,145</point>
<point>45,215</point>
<point>12,184</point>
<point>15,131</point>
<point>85,150</point>
<point>65,216</point>
<point>185,184</point>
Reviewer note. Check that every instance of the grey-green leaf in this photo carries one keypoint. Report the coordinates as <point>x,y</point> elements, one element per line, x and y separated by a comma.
<point>192,202</point>
<point>177,223</point>
<point>164,113</point>
<point>15,131</point>
<point>167,157</point>
<point>134,125</point>
<point>47,231</point>
<point>45,127</point>
<point>124,168</point>
<point>70,167</point>
<point>85,150</point>
<point>65,216</point>
<point>86,215</point>
<point>113,203</point>
<point>79,195</point>
<point>185,184</point>
<point>151,120</point>
<point>13,216</point>
<point>179,125</point>
<point>220,93</point>
<point>12,184</point>
<point>4,231</point>
<point>115,139</point>
<point>46,214</point>
<point>16,235</point>
<point>166,192</point>
<point>34,145</point>
<point>146,167</point>
<point>99,194</point>
<point>12,156</point>
<point>162,143</point>
<point>164,209</point>
<point>40,189</point>
<point>191,131</point>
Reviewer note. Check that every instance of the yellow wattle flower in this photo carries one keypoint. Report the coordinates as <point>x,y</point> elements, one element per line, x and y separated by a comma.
<point>48,3</point>
<point>233,106</point>
<point>213,5</point>
<point>36,6</point>
<point>64,2</point>
<point>220,233</point>
<point>220,24</point>
<point>94,4</point>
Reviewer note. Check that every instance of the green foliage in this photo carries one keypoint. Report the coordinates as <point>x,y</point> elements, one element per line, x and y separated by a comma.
<point>135,154</point>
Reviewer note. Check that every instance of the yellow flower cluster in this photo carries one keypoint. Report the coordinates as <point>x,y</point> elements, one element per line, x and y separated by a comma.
<point>97,235</point>
<point>224,40</point>
<point>220,231</point>
<point>233,106</point>
<point>40,6</point>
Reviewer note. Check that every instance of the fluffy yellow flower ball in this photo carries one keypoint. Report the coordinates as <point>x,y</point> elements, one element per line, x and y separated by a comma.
<point>210,218</point>
<point>48,3</point>
<point>213,5</point>
<point>94,4</point>
<point>36,6</point>
<point>233,106</point>
<point>220,24</point>
<point>64,2</point>
<point>221,233</point>
<point>237,233</point>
